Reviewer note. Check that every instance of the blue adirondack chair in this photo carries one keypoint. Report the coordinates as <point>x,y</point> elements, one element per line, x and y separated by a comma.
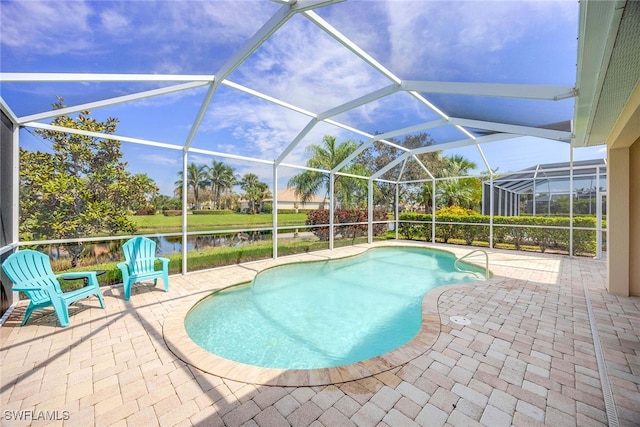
<point>31,273</point>
<point>140,259</point>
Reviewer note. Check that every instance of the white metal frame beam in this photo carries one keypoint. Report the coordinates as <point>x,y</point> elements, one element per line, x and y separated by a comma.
<point>111,101</point>
<point>144,142</point>
<point>440,147</point>
<point>358,102</point>
<point>100,77</point>
<point>515,129</point>
<point>552,93</point>
<point>276,21</point>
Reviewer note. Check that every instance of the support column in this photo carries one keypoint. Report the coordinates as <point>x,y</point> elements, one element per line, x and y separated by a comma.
<point>397,209</point>
<point>185,189</point>
<point>623,201</point>
<point>332,207</point>
<point>370,212</point>
<point>9,202</point>
<point>618,205</point>
<point>491,195</point>
<point>433,210</point>
<point>570,201</point>
<point>274,231</point>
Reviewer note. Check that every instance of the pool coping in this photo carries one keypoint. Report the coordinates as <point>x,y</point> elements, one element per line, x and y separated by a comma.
<point>181,345</point>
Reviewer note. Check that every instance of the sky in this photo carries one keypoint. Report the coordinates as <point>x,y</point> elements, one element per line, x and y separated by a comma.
<point>518,42</point>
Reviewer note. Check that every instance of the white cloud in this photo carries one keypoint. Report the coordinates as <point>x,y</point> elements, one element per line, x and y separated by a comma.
<point>303,65</point>
<point>46,27</point>
<point>114,21</point>
<point>264,128</point>
<point>158,159</point>
<point>429,34</point>
<point>290,67</point>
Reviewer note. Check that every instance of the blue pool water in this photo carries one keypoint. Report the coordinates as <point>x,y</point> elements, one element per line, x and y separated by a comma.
<point>323,314</point>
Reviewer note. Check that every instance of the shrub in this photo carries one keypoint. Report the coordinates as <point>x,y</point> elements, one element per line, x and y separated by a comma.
<point>543,232</point>
<point>144,211</point>
<point>584,241</point>
<point>172,212</point>
<point>447,231</point>
<point>456,211</point>
<point>346,216</point>
<point>212,212</point>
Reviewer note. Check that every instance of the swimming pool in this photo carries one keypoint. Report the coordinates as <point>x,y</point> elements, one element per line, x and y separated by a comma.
<point>323,314</point>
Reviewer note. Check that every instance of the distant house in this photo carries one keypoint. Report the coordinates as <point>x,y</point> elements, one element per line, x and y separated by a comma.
<point>287,199</point>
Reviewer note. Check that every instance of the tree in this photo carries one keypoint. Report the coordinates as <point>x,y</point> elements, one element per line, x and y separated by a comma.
<point>380,154</point>
<point>423,196</point>
<point>162,202</point>
<point>151,191</point>
<point>81,188</point>
<point>196,180</point>
<point>222,179</point>
<point>349,191</point>
<point>255,191</point>
<point>457,191</point>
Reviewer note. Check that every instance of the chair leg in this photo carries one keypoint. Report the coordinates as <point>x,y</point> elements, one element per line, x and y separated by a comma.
<point>62,311</point>
<point>127,291</point>
<point>165,279</point>
<point>99,295</point>
<point>27,313</point>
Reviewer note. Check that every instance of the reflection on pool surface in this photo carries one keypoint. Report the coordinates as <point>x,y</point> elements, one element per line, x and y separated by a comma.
<point>323,314</point>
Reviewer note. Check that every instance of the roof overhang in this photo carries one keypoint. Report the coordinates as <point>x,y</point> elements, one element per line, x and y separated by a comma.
<point>608,67</point>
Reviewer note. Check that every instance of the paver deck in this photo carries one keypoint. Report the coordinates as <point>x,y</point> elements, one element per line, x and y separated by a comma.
<point>527,358</point>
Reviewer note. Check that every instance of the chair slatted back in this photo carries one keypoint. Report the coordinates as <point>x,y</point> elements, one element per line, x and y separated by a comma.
<point>31,269</point>
<point>140,254</point>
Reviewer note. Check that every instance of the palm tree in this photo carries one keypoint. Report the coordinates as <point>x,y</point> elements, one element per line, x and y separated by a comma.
<point>221,178</point>
<point>458,191</point>
<point>458,165</point>
<point>196,180</point>
<point>255,191</point>
<point>327,156</point>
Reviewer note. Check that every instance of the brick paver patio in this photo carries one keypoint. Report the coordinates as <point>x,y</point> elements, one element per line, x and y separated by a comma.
<point>527,358</point>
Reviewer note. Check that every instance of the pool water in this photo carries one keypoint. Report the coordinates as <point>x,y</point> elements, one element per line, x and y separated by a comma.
<point>323,314</point>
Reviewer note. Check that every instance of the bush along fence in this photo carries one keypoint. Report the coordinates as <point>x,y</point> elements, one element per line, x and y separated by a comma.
<point>348,223</point>
<point>511,231</point>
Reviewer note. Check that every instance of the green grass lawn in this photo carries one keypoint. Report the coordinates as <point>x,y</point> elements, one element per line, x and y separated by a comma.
<point>150,224</point>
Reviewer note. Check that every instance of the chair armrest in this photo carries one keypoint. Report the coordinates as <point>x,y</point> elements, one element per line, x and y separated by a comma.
<point>75,275</point>
<point>46,287</point>
<point>164,261</point>
<point>123,266</point>
<point>24,288</point>
<point>90,276</point>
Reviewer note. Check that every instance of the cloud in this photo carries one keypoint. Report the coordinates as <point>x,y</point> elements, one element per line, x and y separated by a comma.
<point>46,27</point>
<point>158,159</point>
<point>303,65</point>
<point>289,67</point>
<point>434,35</point>
<point>263,129</point>
<point>114,21</point>
<point>192,36</point>
<point>162,36</point>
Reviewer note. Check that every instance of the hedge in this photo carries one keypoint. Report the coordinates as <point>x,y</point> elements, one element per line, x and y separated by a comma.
<point>513,230</point>
<point>346,216</point>
<point>212,212</point>
<point>294,211</point>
